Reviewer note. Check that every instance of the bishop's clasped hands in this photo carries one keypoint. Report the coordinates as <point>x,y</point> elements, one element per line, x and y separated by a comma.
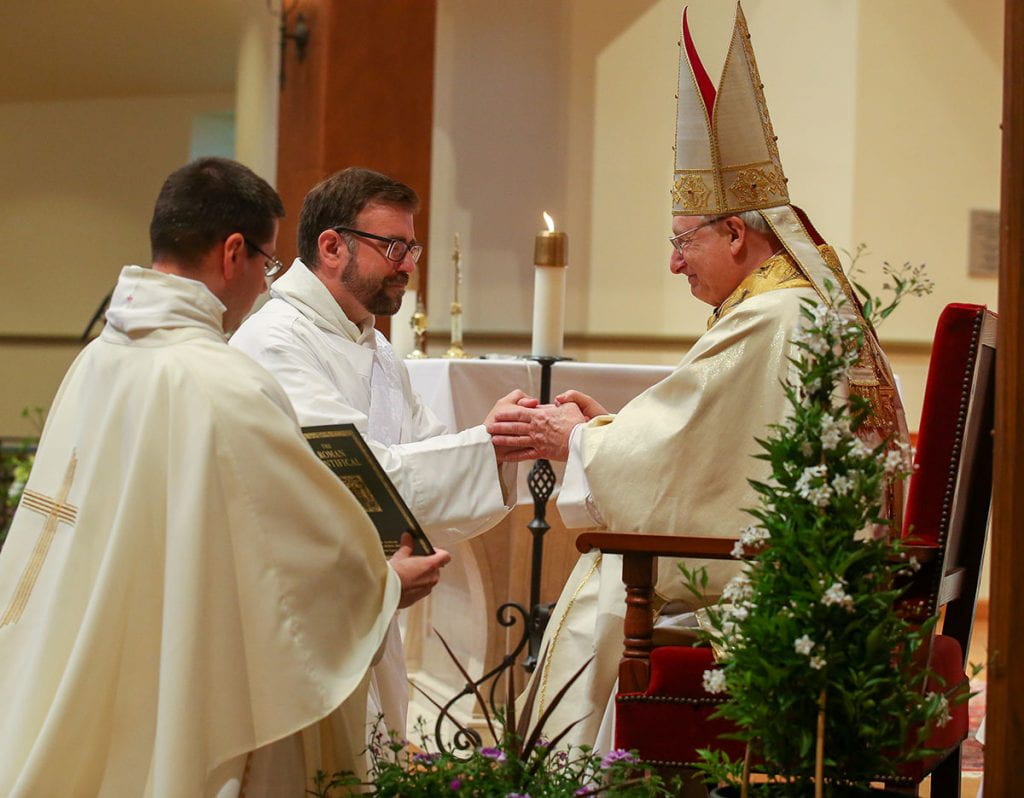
<point>522,428</point>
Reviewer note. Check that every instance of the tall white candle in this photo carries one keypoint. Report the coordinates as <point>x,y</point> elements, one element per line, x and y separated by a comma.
<point>401,326</point>
<point>550,254</point>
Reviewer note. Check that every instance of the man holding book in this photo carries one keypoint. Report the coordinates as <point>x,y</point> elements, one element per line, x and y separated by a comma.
<point>316,334</point>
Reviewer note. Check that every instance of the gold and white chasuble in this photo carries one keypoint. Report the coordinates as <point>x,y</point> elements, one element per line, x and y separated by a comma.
<point>676,460</point>
<point>185,582</point>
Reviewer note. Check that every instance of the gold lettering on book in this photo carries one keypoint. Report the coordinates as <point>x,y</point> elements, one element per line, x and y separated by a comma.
<point>54,511</point>
<point>359,489</point>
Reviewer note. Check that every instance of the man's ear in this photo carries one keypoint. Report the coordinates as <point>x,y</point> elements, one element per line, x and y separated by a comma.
<point>332,251</point>
<point>233,257</point>
<point>737,230</point>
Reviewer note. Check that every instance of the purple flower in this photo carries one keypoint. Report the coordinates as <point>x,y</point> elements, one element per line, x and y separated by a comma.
<point>425,759</point>
<point>618,755</point>
<point>493,753</point>
<point>455,785</point>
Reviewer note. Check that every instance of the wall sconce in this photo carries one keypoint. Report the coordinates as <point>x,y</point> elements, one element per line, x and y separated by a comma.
<point>300,36</point>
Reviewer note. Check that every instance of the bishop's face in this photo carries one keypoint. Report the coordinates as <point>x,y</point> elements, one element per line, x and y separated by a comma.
<point>374,282</point>
<point>702,253</point>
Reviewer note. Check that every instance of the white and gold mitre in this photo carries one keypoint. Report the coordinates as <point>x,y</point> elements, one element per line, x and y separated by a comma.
<point>727,160</point>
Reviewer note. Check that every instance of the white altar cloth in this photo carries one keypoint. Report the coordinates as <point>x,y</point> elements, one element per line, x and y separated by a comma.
<point>461,392</point>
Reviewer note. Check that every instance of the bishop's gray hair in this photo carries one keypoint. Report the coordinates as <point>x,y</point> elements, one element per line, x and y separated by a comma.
<point>755,221</point>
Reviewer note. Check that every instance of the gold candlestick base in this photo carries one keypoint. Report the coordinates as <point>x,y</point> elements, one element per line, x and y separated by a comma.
<point>418,322</point>
<point>455,351</point>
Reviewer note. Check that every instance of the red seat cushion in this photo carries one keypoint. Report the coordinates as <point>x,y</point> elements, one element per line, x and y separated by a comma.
<point>671,720</point>
<point>947,664</point>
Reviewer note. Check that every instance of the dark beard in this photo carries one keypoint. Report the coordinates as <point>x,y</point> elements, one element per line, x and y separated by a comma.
<point>372,294</point>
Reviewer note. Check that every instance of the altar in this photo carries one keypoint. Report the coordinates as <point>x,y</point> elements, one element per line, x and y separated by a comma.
<point>494,568</point>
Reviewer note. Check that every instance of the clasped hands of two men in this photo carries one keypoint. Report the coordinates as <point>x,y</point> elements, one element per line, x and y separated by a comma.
<point>521,428</point>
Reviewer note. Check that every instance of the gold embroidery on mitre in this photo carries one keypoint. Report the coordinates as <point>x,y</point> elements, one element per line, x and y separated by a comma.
<point>758,87</point>
<point>54,511</point>
<point>690,192</point>
<point>757,186</point>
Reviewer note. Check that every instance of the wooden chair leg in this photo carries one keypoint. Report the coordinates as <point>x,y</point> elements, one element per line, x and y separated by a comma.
<point>946,777</point>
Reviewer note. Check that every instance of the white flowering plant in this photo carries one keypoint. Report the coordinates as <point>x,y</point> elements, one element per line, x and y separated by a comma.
<point>816,660</point>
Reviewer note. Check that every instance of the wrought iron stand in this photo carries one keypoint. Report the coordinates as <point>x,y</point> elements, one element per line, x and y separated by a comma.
<point>541,482</point>
<point>484,689</point>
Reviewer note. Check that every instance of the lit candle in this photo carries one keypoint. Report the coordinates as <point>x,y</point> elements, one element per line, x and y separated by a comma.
<point>550,253</point>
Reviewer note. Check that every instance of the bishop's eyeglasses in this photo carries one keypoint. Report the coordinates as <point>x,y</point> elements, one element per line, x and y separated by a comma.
<point>397,248</point>
<point>683,240</point>
<point>272,266</point>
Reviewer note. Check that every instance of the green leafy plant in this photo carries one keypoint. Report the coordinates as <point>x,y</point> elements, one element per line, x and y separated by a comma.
<point>522,762</point>
<point>818,664</point>
<point>900,282</point>
<point>16,460</point>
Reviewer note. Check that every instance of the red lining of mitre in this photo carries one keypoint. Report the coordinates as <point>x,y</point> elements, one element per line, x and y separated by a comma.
<point>806,222</point>
<point>704,84</point>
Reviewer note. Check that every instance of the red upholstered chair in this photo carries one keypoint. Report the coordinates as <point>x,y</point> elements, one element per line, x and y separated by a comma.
<point>662,709</point>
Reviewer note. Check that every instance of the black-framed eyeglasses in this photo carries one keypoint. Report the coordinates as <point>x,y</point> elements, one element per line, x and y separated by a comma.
<point>272,266</point>
<point>397,248</point>
<point>683,240</point>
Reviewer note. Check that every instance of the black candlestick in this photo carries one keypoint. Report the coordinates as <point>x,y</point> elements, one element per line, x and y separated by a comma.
<point>541,482</point>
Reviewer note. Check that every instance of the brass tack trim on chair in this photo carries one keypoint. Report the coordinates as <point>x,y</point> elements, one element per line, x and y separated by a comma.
<point>668,699</point>
<point>955,455</point>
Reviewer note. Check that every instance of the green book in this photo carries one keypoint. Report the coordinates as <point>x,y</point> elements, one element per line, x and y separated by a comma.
<point>343,450</point>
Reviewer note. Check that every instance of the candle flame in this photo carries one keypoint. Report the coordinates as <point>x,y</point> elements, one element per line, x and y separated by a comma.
<point>549,222</point>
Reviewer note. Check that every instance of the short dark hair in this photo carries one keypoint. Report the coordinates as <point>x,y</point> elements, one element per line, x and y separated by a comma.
<point>204,202</point>
<point>338,200</point>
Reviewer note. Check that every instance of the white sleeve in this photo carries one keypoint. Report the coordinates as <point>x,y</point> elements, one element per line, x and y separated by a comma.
<point>574,503</point>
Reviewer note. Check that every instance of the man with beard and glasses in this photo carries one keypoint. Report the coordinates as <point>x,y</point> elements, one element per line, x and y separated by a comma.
<point>357,248</point>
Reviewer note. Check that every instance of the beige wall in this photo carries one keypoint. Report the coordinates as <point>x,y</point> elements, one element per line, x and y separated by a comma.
<point>929,102</point>
<point>77,183</point>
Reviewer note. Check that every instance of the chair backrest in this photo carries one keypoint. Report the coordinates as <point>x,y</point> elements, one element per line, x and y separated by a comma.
<point>951,489</point>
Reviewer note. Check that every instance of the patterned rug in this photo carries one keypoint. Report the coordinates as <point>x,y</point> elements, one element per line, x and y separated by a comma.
<point>973,756</point>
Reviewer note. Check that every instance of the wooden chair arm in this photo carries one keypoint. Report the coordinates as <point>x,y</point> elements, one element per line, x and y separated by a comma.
<point>923,554</point>
<point>686,546</point>
<point>657,545</point>
<point>639,553</point>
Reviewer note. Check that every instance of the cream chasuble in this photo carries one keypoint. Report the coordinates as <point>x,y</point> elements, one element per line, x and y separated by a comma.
<point>185,582</point>
<point>675,460</point>
<point>336,372</point>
